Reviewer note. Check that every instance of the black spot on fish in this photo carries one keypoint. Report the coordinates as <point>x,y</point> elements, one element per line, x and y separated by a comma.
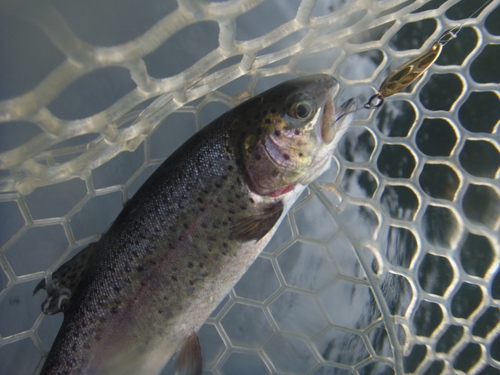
<point>199,199</point>
<point>185,225</point>
<point>286,156</point>
<point>267,121</point>
<point>230,167</point>
<point>190,265</point>
<point>202,209</point>
<point>225,245</point>
<point>243,207</point>
<point>275,173</point>
<point>251,200</point>
<point>174,277</point>
<point>140,268</point>
<point>300,154</point>
<point>277,133</point>
<point>297,131</point>
<point>217,185</point>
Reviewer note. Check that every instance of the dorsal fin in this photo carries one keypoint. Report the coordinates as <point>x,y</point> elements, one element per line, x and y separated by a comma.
<point>65,281</point>
<point>258,225</point>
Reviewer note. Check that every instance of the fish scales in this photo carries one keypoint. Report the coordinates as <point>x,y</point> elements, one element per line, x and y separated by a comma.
<point>190,233</point>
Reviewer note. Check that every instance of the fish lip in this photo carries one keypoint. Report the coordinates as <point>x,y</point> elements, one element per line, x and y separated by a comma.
<point>339,118</point>
<point>347,108</point>
<point>335,118</point>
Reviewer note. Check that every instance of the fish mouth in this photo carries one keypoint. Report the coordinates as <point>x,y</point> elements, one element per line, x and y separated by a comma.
<point>336,119</point>
<point>347,109</point>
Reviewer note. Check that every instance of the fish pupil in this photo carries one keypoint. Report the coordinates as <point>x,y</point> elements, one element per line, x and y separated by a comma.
<point>303,110</point>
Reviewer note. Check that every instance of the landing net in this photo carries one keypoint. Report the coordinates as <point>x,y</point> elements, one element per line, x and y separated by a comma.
<point>389,264</point>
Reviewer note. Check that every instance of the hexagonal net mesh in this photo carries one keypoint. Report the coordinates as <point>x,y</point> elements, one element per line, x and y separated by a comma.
<point>386,265</point>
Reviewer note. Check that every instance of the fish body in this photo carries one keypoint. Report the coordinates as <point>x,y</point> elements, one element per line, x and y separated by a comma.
<point>191,231</point>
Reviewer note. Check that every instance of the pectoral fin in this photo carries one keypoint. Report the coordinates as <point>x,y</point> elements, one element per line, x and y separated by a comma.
<point>257,226</point>
<point>189,360</point>
<point>64,282</point>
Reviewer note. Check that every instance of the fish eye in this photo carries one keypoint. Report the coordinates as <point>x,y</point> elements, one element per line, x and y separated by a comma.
<point>302,110</point>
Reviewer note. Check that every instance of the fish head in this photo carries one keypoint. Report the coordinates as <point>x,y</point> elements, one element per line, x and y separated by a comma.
<point>291,132</point>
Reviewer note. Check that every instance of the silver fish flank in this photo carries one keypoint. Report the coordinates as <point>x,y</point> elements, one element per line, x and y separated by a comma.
<point>192,230</point>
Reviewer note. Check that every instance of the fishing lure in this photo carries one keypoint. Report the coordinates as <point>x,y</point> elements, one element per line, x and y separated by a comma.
<point>410,71</point>
<point>407,73</point>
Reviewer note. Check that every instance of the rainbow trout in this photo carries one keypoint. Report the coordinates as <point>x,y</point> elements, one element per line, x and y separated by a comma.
<point>142,291</point>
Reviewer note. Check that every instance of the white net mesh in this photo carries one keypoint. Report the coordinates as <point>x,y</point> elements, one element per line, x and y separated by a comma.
<point>392,268</point>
